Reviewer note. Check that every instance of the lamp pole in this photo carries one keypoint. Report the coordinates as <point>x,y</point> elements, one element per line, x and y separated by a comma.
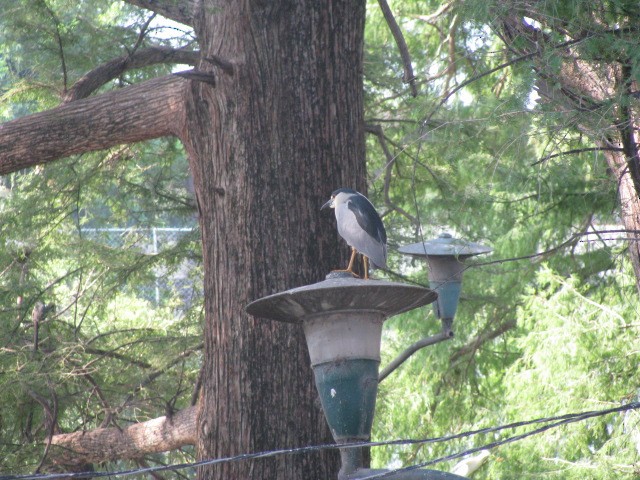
<point>342,319</point>
<point>445,258</point>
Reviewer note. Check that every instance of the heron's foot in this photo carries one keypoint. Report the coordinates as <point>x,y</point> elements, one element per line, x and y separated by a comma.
<point>354,274</point>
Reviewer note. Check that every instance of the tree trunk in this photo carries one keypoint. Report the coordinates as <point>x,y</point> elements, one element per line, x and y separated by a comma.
<point>267,145</point>
<point>629,206</point>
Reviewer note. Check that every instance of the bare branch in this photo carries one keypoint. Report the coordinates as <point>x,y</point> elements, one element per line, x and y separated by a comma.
<point>143,33</point>
<point>442,9</point>
<point>180,11</point>
<point>108,411</point>
<point>56,24</point>
<point>103,74</point>
<point>378,132</point>
<point>402,357</point>
<point>450,69</point>
<point>154,375</point>
<point>51,419</point>
<point>409,77</point>
<point>108,444</point>
<point>117,356</point>
<point>575,151</point>
<point>198,76</point>
<point>484,337</point>
<point>143,111</point>
<point>224,65</point>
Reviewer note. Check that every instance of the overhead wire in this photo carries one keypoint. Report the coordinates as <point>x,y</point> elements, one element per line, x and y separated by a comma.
<point>552,422</point>
<point>562,421</point>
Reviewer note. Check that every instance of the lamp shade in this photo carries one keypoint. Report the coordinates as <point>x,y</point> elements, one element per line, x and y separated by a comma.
<point>342,320</point>
<point>445,256</point>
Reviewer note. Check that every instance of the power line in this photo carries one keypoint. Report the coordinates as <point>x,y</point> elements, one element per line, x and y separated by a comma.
<point>556,422</point>
<point>563,421</point>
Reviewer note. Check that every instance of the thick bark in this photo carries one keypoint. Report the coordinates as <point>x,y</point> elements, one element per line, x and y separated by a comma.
<point>143,111</point>
<point>267,146</point>
<point>108,444</point>
<point>629,206</point>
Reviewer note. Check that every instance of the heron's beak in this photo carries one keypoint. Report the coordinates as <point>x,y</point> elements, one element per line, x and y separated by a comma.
<point>328,204</point>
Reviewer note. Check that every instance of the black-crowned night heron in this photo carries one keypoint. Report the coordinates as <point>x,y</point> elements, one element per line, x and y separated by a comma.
<point>360,225</point>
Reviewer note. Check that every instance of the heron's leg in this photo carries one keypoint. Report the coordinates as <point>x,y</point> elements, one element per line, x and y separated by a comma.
<point>352,260</point>
<point>365,262</point>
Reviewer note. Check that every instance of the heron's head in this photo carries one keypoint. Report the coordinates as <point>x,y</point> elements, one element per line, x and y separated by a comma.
<point>338,197</point>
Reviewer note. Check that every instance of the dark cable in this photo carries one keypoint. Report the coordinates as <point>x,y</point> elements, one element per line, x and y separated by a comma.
<point>566,420</point>
<point>558,421</point>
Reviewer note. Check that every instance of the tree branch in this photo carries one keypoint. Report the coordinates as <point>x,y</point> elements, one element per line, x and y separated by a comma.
<point>403,356</point>
<point>147,110</point>
<point>476,343</point>
<point>56,24</point>
<point>408,77</point>
<point>51,419</point>
<point>117,356</point>
<point>143,33</point>
<point>513,61</point>
<point>180,11</point>
<point>153,375</point>
<point>575,151</point>
<point>378,132</point>
<point>106,72</point>
<point>108,444</point>
<point>627,131</point>
<point>442,9</point>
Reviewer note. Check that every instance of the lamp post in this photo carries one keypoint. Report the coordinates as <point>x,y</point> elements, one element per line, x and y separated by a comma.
<point>445,256</point>
<point>342,319</point>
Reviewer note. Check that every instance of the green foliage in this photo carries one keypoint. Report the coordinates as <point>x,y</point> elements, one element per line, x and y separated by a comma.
<point>110,239</point>
<point>546,326</point>
<point>124,339</point>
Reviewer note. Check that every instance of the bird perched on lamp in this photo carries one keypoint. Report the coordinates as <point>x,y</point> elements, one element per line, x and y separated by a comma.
<point>361,227</point>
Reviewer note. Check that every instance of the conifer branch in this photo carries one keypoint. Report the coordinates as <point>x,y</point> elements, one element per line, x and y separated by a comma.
<point>379,133</point>
<point>574,152</point>
<point>108,444</point>
<point>472,346</point>
<point>408,77</point>
<point>101,75</point>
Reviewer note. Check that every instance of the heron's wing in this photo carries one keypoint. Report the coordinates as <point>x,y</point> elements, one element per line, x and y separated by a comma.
<point>369,220</point>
